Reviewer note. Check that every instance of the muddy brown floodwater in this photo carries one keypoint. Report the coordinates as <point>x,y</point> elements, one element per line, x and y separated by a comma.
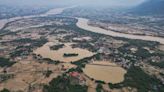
<point>46,52</point>
<point>50,12</point>
<point>105,71</point>
<point>83,23</point>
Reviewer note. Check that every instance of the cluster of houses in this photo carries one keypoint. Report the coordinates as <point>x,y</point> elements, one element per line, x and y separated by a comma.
<point>76,78</point>
<point>82,39</point>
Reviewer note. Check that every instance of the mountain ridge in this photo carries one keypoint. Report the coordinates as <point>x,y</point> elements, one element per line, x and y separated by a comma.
<point>149,7</point>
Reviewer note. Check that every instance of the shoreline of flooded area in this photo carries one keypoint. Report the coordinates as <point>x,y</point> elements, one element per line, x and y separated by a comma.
<point>83,23</point>
<point>54,11</point>
<point>105,71</point>
<point>46,52</point>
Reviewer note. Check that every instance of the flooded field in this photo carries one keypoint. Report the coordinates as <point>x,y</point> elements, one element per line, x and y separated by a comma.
<point>45,52</point>
<point>105,71</point>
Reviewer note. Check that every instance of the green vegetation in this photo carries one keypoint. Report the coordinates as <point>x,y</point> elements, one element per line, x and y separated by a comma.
<point>39,42</point>
<point>21,51</point>
<point>137,78</point>
<point>23,40</point>
<point>159,53</point>
<point>70,54</point>
<point>5,62</point>
<point>4,32</point>
<point>139,43</point>
<point>100,82</point>
<point>161,74</point>
<point>50,61</point>
<point>48,73</point>
<point>112,86</point>
<point>158,64</point>
<point>143,53</point>
<point>85,60</point>
<point>56,47</point>
<point>5,76</point>
<point>78,69</point>
<point>63,84</point>
<point>85,45</point>
<point>36,43</point>
<point>99,88</point>
<point>5,90</point>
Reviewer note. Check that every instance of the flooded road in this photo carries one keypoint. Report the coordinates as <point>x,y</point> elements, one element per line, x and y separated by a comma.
<point>83,23</point>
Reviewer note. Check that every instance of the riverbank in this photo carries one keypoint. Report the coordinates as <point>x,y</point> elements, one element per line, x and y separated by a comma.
<point>54,11</point>
<point>83,23</point>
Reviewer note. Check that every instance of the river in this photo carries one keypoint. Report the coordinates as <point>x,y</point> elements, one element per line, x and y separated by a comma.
<point>50,12</point>
<point>83,23</point>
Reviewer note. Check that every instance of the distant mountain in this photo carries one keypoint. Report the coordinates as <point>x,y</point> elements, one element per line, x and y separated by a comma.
<point>149,7</point>
<point>9,11</point>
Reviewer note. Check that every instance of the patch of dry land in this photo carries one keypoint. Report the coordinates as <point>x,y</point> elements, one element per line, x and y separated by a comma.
<point>46,52</point>
<point>28,73</point>
<point>161,47</point>
<point>105,71</point>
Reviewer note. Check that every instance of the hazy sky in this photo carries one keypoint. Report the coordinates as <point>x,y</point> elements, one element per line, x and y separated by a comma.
<point>83,2</point>
<point>110,2</point>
